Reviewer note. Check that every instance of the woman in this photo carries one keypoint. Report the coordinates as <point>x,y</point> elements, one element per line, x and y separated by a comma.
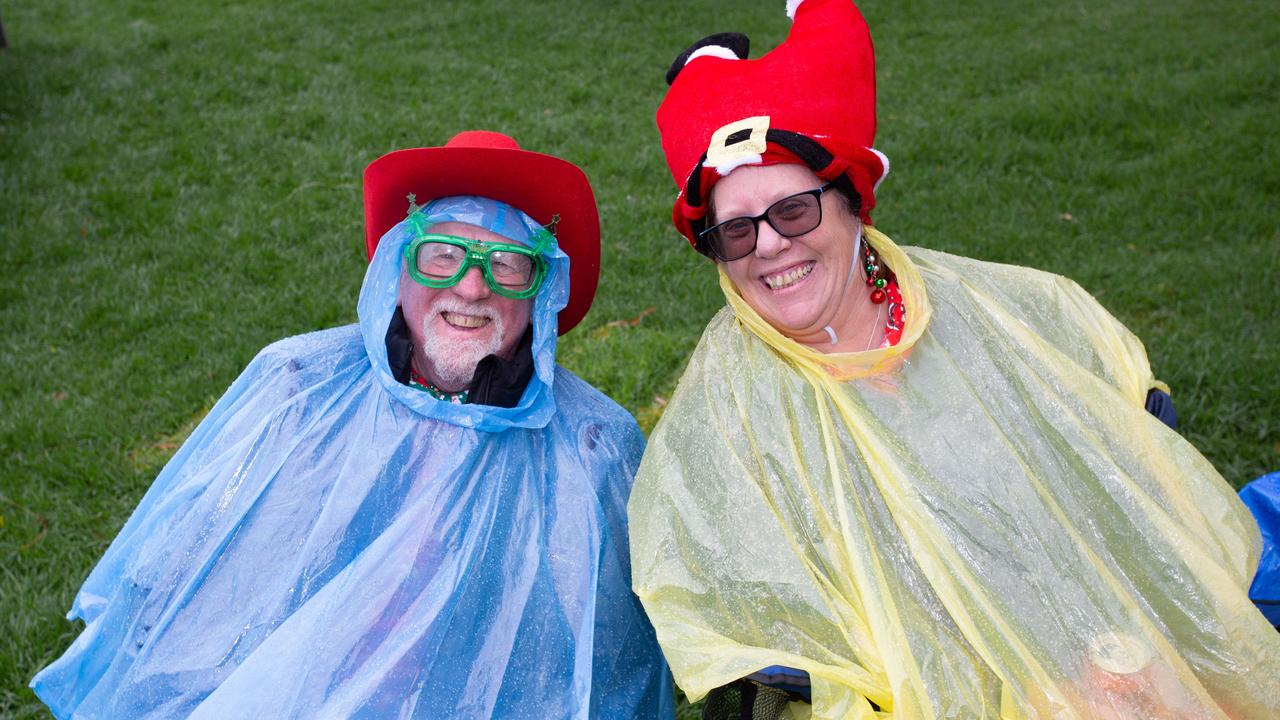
<point>921,484</point>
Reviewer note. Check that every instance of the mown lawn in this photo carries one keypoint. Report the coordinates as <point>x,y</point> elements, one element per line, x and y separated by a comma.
<point>179,186</point>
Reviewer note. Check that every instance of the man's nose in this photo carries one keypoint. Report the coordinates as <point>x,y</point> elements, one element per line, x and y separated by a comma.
<point>472,286</point>
<point>768,242</point>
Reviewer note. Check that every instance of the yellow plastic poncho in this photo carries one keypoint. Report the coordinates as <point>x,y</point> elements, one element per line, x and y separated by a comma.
<point>980,522</point>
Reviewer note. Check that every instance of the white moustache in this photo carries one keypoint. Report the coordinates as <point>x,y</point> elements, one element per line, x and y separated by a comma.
<point>471,314</point>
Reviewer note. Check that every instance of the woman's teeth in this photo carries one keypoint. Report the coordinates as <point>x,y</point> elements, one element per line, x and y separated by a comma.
<point>466,321</point>
<point>790,277</point>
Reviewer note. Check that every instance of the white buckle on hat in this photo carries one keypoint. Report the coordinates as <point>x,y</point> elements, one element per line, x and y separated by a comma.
<point>738,143</point>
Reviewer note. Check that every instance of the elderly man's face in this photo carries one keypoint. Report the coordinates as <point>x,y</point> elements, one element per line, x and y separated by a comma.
<point>454,328</point>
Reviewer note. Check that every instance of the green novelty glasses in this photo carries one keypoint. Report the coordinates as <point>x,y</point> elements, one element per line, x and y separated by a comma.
<point>511,270</point>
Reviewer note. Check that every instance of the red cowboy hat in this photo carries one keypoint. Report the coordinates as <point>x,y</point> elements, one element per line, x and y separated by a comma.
<point>492,165</point>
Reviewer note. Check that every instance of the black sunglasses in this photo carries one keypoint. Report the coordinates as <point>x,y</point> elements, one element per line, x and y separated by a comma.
<point>791,216</point>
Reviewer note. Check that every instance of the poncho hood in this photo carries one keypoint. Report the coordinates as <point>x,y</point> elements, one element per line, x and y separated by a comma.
<point>378,298</point>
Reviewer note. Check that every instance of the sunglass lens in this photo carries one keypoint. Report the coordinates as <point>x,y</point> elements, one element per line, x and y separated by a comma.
<point>795,215</point>
<point>733,239</point>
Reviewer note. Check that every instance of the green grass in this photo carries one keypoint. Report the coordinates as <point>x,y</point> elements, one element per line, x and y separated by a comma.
<point>179,186</point>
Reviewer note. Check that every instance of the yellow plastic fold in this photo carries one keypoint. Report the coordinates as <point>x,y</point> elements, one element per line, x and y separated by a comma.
<point>981,522</point>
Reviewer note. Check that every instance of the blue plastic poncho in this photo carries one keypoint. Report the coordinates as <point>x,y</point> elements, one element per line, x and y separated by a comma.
<point>332,543</point>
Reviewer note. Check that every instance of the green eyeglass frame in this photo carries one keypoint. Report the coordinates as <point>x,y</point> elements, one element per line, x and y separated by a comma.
<point>479,254</point>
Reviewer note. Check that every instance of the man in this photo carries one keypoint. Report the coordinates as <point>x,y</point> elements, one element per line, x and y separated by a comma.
<point>418,516</point>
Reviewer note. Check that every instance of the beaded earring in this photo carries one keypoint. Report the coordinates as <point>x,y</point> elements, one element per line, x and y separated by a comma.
<point>876,274</point>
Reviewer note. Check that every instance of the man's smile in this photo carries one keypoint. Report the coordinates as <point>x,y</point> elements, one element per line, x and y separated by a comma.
<point>463,320</point>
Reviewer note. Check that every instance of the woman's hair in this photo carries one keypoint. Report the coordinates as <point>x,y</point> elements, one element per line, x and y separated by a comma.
<point>845,187</point>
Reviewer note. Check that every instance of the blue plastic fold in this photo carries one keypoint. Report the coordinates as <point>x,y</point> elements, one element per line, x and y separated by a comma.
<point>331,543</point>
<point>1262,496</point>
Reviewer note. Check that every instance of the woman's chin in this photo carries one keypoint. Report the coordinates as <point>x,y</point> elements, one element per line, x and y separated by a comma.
<point>801,327</point>
<point>797,315</point>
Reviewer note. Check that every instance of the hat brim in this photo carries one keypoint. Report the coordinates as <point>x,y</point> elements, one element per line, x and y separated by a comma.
<point>541,186</point>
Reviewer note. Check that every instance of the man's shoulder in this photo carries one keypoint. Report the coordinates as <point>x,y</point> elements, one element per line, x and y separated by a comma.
<point>312,343</point>
<point>318,350</point>
<point>603,436</point>
<point>578,400</point>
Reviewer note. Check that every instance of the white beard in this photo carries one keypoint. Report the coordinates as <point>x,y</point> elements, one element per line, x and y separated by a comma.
<point>453,360</point>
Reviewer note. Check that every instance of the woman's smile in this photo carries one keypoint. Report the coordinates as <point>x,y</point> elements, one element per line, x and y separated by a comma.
<point>789,277</point>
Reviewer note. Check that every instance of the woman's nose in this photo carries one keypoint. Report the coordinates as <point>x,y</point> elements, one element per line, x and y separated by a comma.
<point>768,242</point>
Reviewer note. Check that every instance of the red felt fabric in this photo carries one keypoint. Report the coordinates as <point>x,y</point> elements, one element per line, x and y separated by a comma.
<point>820,82</point>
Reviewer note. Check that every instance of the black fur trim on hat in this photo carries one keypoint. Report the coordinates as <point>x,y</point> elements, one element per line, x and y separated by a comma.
<point>736,43</point>
<point>818,159</point>
<point>803,147</point>
<point>693,189</point>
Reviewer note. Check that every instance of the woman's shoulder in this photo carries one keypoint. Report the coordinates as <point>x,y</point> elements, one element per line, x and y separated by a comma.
<point>729,372</point>
<point>1053,307</point>
<point>727,353</point>
<point>1037,296</point>
<point>937,265</point>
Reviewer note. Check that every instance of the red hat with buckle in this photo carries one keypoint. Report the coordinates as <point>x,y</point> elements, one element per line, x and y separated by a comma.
<point>811,101</point>
<point>490,164</point>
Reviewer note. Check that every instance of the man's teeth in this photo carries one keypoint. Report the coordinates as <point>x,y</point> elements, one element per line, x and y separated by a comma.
<point>467,321</point>
<point>789,277</point>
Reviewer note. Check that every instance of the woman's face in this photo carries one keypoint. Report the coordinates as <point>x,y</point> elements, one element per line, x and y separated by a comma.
<point>802,284</point>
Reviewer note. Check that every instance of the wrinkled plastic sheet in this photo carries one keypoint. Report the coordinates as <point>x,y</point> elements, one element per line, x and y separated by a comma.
<point>331,543</point>
<point>980,522</point>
